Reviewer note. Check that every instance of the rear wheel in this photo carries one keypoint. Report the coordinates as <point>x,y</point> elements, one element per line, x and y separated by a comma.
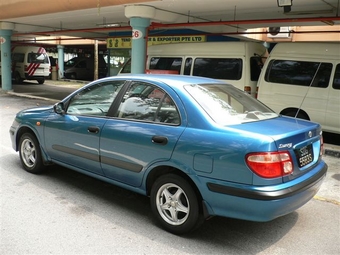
<point>73,76</point>
<point>175,204</point>
<point>300,115</point>
<point>17,78</point>
<point>41,81</point>
<point>30,154</point>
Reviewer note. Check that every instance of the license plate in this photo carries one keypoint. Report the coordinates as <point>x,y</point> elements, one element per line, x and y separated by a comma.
<point>304,155</point>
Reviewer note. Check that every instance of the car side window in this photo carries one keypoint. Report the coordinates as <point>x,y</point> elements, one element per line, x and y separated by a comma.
<point>147,102</point>
<point>95,100</point>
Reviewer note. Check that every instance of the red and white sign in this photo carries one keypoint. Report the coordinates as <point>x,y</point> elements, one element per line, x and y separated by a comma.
<point>137,34</point>
<point>2,40</point>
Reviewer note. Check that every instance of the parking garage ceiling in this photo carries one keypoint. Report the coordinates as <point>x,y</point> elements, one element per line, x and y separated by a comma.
<point>96,18</point>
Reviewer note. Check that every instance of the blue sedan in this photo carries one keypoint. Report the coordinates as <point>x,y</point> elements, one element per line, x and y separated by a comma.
<point>197,147</point>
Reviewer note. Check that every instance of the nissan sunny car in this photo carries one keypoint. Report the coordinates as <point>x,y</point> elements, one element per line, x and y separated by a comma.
<point>197,147</point>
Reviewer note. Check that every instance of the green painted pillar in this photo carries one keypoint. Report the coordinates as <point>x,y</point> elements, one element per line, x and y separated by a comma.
<point>5,48</point>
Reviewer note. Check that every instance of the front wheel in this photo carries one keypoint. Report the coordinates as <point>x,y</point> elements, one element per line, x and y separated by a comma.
<point>30,154</point>
<point>175,204</point>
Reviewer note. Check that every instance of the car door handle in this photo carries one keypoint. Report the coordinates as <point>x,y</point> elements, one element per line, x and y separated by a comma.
<point>160,139</point>
<point>93,129</point>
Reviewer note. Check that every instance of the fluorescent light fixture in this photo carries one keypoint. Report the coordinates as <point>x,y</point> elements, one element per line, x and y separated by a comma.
<point>109,25</point>
<point>283,3</point>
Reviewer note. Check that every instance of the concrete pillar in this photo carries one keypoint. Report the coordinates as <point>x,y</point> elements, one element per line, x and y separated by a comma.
<point>5,48</point>
<point>60,61</point>
<point>140,17</point>
<point>139,44</point>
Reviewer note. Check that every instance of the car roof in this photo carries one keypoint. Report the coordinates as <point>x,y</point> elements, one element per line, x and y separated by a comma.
<point>171,79</point>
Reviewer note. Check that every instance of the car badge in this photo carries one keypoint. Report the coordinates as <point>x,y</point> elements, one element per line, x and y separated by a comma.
<point>310,134</point>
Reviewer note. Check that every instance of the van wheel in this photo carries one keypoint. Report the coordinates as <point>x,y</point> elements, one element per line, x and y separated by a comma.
<point>73,76</point>
<point>17,78</point>
<point>41,81</point>
<point>300,115</point>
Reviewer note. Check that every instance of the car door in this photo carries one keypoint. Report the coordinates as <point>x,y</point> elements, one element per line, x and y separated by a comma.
<point>144,131</point>
<point>73,138</point>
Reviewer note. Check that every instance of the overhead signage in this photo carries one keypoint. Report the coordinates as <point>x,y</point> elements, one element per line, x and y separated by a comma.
<point>126,42</point>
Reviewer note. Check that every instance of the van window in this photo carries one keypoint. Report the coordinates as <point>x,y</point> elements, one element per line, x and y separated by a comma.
<point>299,73</point>
<point>157,63</point>
<point>218,68</point>
<point>33,57</point>
<point>18,57</point>
<point>336,81</point>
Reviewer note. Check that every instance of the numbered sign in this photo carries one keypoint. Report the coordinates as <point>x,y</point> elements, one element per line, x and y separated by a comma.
<point>137,34</point>
<point>2,40</point>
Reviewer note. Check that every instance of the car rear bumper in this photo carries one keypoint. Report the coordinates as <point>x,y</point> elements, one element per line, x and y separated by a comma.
<point>263,203</point>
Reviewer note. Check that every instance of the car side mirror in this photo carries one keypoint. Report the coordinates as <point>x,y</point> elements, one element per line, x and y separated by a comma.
<point>59,108</point>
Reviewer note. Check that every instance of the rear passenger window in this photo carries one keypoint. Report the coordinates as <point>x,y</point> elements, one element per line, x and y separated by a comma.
<point>218,68</point>
<point>146,102</point>
<point>336,81</point>
<point>302,73</point>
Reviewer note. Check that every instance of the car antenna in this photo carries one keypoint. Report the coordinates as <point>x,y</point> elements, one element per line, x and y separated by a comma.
<point>303,99</point>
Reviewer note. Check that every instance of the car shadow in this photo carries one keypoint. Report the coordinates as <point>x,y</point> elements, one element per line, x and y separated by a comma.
<point>132,211</point>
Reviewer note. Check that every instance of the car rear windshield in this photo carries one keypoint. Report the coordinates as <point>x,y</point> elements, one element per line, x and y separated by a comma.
<point>227,105</point>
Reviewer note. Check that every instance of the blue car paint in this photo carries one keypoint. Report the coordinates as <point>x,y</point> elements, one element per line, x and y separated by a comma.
<point>199,160</point>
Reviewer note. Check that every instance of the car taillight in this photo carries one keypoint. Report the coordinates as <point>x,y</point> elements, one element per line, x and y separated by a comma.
<point>270,164</point>
<point>26,68</point>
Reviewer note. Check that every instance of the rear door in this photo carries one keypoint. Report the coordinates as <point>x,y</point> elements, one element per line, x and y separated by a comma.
<point>332,122</point>
<point>144,131</point>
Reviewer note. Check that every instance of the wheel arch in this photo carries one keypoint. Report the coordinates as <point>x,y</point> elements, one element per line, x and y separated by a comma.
<point>162,170</point>
<point>292,111</point>
<point>22,131</point>
<point>27,129</point>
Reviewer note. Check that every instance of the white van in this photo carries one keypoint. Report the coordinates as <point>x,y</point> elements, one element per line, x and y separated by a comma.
<point>238,63</point>
<point>303,79</point>
<point>30,63</point>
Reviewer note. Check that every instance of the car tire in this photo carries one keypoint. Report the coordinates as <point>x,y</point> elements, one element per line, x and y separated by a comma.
<point>300,115</point>
<point>175,204</point>
<point>41,81</point>
<point>17,78</point>
<point>30,154</point>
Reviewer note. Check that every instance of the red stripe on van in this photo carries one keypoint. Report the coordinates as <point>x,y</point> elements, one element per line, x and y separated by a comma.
<point>32,67</point>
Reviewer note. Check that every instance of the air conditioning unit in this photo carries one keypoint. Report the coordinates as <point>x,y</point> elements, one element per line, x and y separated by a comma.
<point>278,32</point>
